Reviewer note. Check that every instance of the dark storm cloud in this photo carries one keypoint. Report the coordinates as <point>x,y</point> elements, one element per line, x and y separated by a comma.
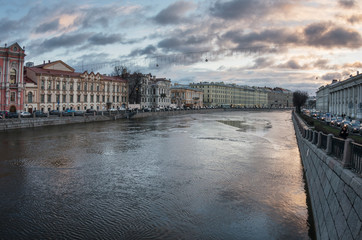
<point>174,13</point>
<point>329,36</point>
<point>45,27</point>
<point>101,39</point>
<point>150,49</point>
<point>347,3</point>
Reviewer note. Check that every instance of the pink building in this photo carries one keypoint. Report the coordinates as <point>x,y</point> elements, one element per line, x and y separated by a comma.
<point>11,78</point>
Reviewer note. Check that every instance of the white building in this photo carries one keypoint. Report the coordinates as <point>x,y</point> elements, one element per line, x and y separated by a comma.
<point>341,97</point>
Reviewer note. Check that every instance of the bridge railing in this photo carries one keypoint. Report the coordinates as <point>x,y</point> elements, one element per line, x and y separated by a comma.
<point>346,151</point>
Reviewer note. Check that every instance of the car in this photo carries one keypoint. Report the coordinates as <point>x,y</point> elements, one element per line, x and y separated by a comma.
<point>354,126</point>
<point>338,121</point>
<point>4,113</point>
<point>39,113</point>
<point>78,113</point>
<point>113,110</point>
<point>54,112</point>
<point>91,110</point>
<point>13,115</point>
<point>25,114</point>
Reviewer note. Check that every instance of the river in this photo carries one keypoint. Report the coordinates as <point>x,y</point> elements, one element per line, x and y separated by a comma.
<point>226,175</point>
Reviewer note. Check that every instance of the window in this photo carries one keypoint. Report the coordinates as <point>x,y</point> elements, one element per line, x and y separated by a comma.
<point>103,98</point>
<point>58,98</point>
<point>71,86</point>
<point>92,98</point>
<point>58,86</point>
<point>42,84</point>
<point>71,98</point>
<point>85,86</point>
<point>12,76</point>
<point>49,84</point>
<point>92,87</point>
<point>117,98</point>
<point>64,85</point>
<point>78,86</point>
<point>64,98</point>
<point>97,98</point>
<point>30,97</point>
<point>85,98</point>
<point>97,87</point>
<point>49,98</point>
<point>78,98</point>
<point>42,98</point>
<point>114,98</point>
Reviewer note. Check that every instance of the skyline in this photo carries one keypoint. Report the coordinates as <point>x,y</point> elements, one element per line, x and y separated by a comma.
<point>297,45</point>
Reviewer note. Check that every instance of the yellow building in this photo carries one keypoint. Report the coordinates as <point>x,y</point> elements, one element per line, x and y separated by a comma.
<point>185,96</point>
<point>232,95</point>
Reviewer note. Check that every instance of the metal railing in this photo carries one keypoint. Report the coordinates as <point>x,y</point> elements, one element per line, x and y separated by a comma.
<point>356,157</point>
<point>348,153</point>
<point>324,141</point>
<point>337,148</point>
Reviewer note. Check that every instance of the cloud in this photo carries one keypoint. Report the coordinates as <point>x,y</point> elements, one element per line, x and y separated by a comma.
<point>354,19</point>
<point>174,13</point>
<point>291,64</point>
<point>101,39</point>
<point>329,36</point>
<point>150,49</point>
<point>46,27</point>
<point>353,65</point>
<point>262,62</point>
<point>347,3</point>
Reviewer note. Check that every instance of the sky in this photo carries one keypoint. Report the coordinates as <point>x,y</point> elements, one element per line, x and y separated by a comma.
<point>297,45</point>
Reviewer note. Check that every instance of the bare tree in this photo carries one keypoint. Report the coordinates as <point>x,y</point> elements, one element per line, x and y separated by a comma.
<point>299,99</point>
<point>134,83</point>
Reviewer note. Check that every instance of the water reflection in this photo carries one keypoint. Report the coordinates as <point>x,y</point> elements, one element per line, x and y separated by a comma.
<point>183,177</point>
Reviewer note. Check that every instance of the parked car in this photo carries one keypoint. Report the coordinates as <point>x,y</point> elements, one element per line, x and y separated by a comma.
<point>333,121</point>
<point>13,115</point>
<point>91,111</point>
<point>338,121</point>
<point>6,113</point>
<point>25,114</point>
<point>354,126</point>
<point>54,112</point>
<point>39,113</point>
<point>78,113</point>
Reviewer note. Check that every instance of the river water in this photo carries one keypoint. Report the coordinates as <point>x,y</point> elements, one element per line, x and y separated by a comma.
<point>227,175</point>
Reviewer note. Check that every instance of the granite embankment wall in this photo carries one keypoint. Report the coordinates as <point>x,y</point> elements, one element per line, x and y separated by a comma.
<point>335,192</point>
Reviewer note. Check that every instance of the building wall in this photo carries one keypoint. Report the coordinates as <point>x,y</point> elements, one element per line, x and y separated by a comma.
<point>218,94</point>
<point>11,78</point>
<point>61,90</point>
<point>185,96</point>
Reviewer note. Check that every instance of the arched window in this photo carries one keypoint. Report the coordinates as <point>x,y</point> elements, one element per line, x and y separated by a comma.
<point>30,97</point>
<point>12,76</point>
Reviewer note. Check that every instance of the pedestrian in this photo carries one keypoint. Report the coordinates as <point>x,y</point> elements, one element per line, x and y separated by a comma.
<point>344,132</point>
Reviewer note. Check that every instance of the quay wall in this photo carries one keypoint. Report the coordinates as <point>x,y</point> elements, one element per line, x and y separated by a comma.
<point>335,192</point>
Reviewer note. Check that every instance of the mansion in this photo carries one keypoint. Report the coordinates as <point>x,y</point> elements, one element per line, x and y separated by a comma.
<point>56,86</point>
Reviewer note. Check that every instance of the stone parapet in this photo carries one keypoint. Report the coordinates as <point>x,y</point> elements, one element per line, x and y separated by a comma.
<point>335,192</point>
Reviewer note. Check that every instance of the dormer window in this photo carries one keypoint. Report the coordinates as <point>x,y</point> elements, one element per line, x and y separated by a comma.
<point>15,49</point>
